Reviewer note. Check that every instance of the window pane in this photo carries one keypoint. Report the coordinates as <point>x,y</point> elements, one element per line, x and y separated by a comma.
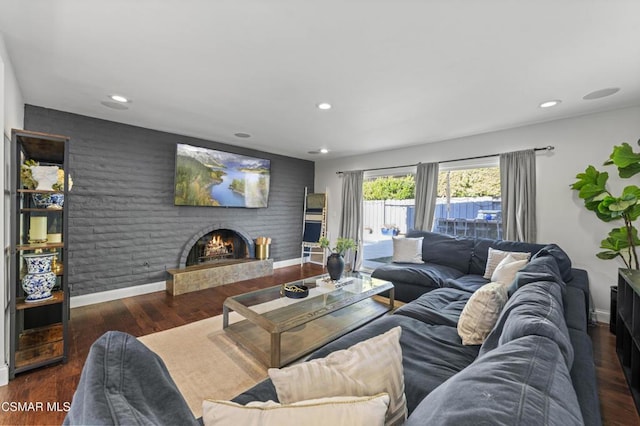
<point>469,203</point>
<point>387,211</point>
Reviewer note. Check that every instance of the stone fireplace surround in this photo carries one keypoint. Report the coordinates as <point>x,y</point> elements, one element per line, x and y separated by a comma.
<point>215,227</point>
<point>206,275</point>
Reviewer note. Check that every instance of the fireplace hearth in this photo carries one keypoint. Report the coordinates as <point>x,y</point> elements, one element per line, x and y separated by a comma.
<point>214,256</point>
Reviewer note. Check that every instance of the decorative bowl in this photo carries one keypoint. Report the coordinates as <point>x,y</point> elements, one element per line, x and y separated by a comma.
<point>295,291</point>
<point>48,201</point>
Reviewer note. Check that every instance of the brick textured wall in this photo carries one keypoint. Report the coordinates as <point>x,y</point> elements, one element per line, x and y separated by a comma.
<point>124,229</point>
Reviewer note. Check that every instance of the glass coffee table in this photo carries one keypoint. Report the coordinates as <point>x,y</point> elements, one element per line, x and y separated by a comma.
<point>279,330</point>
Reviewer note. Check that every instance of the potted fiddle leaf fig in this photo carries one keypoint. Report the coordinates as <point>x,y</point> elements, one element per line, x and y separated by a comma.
<point>591,185</point>
<point>335,261</point>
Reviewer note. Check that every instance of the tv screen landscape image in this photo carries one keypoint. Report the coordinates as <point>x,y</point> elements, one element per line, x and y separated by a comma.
<point>208,177</point>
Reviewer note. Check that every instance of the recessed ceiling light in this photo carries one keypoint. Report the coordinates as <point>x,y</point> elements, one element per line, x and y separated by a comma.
<point>601,93</point>
<point>324,151</point>
<point>549,104</point>
<point>119,98</point>
<point>114,105</point>
<point>324,105</point>
<point>242,135</point>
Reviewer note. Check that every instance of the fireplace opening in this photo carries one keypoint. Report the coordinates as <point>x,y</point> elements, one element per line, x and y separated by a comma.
<point>217,246</point>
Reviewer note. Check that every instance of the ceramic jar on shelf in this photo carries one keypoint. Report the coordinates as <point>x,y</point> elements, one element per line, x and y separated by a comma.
<point>39,280</point>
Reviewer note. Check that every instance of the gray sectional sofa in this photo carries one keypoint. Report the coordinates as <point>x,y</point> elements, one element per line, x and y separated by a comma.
<point>535,367</point>
<point>457,262</point>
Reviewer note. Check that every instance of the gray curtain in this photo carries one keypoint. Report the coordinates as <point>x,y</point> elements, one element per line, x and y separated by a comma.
<point>351,217</point>
<point>426,194</point>
<point>518,187</point>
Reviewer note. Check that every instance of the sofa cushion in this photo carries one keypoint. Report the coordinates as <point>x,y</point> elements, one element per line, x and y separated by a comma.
<point>441,306</point>
<point>583,376</point>
<point>539,269</point>
<point>468,283</point>
<point>407,250</point>
<point>427,275</point>
<point>125,383</point>
<point>363,411</point>
<point>431,354</point>
<point>574,309</point>
<point>446,250</point>
<point>561,258</point>
<point>535,309</point>
<point>481,313</point>
<point>355,371</point>
<point>524,382</point>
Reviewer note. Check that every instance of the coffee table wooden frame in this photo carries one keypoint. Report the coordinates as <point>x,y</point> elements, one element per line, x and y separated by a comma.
<point>280,336</point>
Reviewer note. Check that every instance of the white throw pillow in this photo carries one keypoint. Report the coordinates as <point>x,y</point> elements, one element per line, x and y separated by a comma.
<point>347,410</point>
<point>506,270</point>
<point>496,256</point>
<point>407,250</point>
<point>481,312</point>
<point>369,367</point>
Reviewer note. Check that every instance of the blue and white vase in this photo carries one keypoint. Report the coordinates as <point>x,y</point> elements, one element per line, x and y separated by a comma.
<point>54,200</point>
<point>39,280</point>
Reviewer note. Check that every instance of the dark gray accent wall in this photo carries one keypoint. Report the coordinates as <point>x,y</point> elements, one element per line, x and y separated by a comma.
<point>124,229</point>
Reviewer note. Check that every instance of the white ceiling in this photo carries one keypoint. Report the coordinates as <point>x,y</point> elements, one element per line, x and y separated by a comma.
<point>398,73</point>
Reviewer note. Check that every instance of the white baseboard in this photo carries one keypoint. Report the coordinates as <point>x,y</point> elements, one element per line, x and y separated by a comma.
<point>285,263</point>
<point>121,293</point>
<point>4,375</point>
<point>602,316</point>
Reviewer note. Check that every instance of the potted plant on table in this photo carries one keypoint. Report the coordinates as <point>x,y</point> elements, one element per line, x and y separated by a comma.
<point>592,186</point>
<point>335,261</point>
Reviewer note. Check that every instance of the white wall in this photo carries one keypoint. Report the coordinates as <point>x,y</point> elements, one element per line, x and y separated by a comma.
<point>562,218</point>
<point>11,116</point>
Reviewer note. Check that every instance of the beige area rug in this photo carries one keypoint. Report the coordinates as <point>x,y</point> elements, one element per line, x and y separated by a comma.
<point>204,362</point>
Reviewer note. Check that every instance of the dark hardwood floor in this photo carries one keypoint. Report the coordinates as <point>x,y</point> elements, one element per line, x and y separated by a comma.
<point>159,311</point>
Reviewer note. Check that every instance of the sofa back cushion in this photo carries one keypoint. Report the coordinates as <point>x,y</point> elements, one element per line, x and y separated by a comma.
<point>445,249</point>
<point>535,309</point>
<point>480,251</point>
<point>523,382</point>
<point>561,258</point>
<point>543,268</point>
<point>124,382</point>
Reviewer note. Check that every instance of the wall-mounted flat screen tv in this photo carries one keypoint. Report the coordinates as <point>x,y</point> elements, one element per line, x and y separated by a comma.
<point>207,177</point>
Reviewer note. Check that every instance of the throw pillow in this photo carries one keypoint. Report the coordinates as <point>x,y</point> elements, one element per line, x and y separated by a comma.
<point>407,250</point>
<point>367,368</point>
<point>364,411</point>
<point>496,256</point>
<point>506,270</point>
<point>481,313</point>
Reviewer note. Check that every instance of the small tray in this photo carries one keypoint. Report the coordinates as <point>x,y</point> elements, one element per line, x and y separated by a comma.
<point>296,291</point>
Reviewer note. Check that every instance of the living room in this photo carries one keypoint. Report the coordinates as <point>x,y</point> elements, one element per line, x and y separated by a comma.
<point>123,167</point>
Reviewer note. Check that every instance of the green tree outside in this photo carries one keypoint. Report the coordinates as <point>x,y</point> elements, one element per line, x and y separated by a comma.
<point>389,188</point>
<point>481,182</point>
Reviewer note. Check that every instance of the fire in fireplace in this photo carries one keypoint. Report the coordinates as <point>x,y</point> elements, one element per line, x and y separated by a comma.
<point>216,246</point>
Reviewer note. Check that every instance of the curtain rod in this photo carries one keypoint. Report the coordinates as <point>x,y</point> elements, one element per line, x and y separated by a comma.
<point>546,148</point>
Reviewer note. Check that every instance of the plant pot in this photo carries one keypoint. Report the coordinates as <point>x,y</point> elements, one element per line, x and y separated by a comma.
<point>335,266</point>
